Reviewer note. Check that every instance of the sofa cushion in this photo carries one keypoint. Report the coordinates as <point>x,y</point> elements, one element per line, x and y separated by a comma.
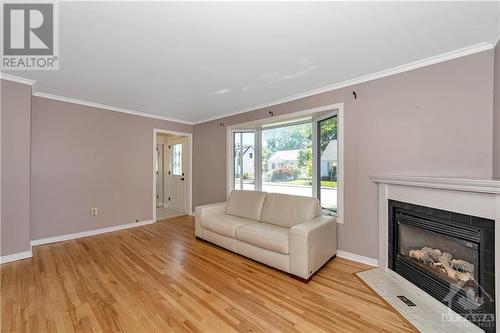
<point>223,224</point>
<point>288,210</point>
<point>246,204</point>
<point>266,236</point>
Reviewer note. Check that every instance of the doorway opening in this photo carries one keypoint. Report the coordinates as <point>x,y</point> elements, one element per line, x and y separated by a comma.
<point>171,174</point>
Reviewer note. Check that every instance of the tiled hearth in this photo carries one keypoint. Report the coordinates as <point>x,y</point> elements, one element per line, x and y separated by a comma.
<point>426,313</point>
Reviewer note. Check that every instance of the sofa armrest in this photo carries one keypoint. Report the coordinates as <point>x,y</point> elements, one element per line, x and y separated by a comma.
<point>201,211</point>
<point>312,244</point>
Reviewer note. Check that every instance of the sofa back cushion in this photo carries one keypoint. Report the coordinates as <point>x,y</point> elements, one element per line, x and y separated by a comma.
<point>246,204</point>
<point>288,210</point>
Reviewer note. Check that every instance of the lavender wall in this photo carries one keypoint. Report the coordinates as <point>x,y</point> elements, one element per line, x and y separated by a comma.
<point>83,157</point>
<point>433,121</point>
<point>15,141</point>
<point>496,114</point>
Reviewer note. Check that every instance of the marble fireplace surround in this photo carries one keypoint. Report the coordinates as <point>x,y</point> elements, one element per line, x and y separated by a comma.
<point>470,196</point>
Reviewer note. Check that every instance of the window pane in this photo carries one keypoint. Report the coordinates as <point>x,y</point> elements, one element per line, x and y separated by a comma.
<point>287,159</point>
<point>244,161</point>
<point>176,159</point>
<point>236,162</point>
<point>328,148</point>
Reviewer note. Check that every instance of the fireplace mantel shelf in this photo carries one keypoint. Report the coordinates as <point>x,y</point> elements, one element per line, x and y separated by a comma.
<point>480,185</point>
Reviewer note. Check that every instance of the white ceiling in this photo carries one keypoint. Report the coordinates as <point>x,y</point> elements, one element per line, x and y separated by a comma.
<point>193,61</point>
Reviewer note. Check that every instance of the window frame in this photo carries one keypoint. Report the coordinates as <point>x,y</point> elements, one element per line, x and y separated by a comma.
<point>340,163</point>
<point>232,168</point>
<point>315,116</point>
<point>172,160</point>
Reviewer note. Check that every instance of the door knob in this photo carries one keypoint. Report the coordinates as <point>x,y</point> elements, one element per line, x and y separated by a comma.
<point>182,178</point>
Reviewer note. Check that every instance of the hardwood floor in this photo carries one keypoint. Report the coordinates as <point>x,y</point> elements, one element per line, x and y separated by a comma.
<point>158,278</point>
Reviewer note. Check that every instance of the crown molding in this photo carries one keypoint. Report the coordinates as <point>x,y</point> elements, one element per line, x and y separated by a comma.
<point>17,79</point>
<point>494,36</point>
<point>108,107</point>
<point>32,83</point>
<point>484,46</point>
<point>480,47</point>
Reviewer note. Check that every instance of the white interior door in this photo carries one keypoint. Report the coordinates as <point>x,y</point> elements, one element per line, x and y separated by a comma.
<point>177,175</point>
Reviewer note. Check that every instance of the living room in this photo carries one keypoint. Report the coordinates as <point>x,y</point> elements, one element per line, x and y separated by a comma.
<point>217,167</point>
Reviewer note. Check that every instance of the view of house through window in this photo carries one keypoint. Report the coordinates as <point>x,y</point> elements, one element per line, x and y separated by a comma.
<point>244,160</point>
<point>287,164</point>
<point>328,153</point>
<point>287,159</point>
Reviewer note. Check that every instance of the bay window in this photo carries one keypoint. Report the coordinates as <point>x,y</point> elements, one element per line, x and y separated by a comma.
<point>299,156</point>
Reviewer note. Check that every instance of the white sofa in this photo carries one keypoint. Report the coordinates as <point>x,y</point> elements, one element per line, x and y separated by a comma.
<point>283,231</point>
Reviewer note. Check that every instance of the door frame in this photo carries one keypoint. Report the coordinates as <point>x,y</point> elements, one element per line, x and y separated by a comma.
<point>188,171</point>
<point>162,145</point>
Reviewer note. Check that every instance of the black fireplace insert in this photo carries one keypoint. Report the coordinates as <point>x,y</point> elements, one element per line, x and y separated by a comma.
<point>449,255</point>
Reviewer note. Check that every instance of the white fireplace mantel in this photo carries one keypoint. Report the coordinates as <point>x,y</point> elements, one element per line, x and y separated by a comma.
<point>480,185</point>
<point>470,196</point>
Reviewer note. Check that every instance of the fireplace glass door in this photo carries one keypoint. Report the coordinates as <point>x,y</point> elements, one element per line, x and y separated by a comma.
<point>449,258</point>
<point>449,255</point>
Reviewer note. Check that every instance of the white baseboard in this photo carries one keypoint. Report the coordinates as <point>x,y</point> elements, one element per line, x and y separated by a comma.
<point>76,235</point>
<point>358,258</point>
<point>16,256</point>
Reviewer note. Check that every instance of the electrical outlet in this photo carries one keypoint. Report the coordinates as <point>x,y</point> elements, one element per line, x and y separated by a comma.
<point>93,211</point>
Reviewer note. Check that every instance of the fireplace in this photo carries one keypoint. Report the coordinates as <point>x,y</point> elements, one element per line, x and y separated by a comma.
<point>449,255</point>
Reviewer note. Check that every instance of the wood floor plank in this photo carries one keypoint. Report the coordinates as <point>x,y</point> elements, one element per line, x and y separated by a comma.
<point>159,278</point>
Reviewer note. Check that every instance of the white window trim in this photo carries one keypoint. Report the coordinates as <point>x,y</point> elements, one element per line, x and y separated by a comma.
<point>317,114</point>
<point>230,158</point>
<point>339,112</point>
